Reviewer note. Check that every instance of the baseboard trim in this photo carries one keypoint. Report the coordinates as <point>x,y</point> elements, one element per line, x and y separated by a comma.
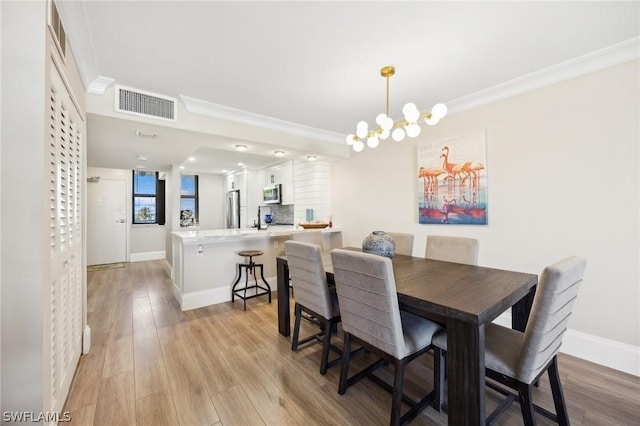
<point>149,255</point>
<point>212,296</point>
<point>607,352</point>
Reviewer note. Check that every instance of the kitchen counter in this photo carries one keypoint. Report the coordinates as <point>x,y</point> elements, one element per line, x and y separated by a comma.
<point>205,262</point>
<point>212,235</point>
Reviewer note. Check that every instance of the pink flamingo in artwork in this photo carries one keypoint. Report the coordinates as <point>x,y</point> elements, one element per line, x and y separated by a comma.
<point>472,169</point>
<point>430,177</point>
<point>453,170</point>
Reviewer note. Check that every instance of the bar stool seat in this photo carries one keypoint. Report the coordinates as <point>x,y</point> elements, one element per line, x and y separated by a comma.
<point>250,268</point>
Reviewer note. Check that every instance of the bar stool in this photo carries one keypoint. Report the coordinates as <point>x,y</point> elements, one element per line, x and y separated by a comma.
<point>250,268</point>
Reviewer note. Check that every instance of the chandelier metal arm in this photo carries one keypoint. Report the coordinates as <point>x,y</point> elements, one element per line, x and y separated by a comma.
<point>396,124</point>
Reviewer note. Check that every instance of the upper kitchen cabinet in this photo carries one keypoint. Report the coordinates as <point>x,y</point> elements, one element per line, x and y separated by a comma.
<point>245,182</point>
<point>280,173</point>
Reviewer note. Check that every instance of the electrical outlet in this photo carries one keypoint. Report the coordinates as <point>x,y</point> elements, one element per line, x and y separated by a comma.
<point>275,243</point>
<point>200,250</point>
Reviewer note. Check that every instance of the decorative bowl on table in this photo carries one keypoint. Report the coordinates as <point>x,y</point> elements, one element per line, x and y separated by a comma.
<point>314,225</point>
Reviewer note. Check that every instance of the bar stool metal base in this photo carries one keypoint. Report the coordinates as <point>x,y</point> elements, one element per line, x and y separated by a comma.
<point>249,268</point>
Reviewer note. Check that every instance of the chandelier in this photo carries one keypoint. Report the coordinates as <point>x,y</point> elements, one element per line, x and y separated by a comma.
<point>398,129</point>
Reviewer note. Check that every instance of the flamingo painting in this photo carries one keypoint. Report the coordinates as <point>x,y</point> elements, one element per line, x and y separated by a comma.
<point>463,196</point>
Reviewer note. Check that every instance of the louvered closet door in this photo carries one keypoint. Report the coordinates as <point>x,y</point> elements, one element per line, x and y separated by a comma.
<point>64,327</point>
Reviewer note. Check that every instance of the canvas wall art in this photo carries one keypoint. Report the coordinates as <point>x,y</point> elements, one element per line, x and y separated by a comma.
<point>452,181</point>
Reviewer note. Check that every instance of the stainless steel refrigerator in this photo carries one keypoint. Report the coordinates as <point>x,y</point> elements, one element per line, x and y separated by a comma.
<point>233,209</point>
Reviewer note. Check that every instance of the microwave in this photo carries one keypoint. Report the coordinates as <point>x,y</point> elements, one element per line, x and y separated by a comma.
<point>272,194</point>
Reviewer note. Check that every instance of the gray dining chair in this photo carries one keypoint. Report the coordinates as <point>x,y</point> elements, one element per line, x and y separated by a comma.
<point>404,242</point>
<point>517,359</point>
<point>452,249</point>
<point>313,296</point>
<point>371,318</point>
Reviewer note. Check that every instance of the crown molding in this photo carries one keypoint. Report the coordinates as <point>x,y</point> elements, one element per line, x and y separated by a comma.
<point>612,55</point>
<point>223,112</point>
<point>73,15</point>
<point>100,85</point>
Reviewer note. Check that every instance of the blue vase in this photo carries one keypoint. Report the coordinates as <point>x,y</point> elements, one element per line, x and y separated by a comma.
<point>379,243</point>
<point>268,218</point>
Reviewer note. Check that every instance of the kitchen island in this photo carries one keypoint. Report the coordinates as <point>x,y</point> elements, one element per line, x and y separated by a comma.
<point>205,262</point>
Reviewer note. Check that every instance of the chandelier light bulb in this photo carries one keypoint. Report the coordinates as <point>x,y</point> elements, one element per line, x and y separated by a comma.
<point>413,130</point>
<point>384,134</point>
<point>350,139</point>
<point>373,141</point>
<point>411,113</point>
<point>439,110</point>
<point>432,121</point>
<point>362,129</point>
<point>358,146</point>
<point>387,124</point>
<point>381,118</point>
<point>397,135</point>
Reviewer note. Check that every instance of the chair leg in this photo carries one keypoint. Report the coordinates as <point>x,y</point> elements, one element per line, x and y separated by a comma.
<point>296,328</point>
<point>556,391</point>
<point>396,404</point>
<point>326,345</point>
<point>438,378</point>
<point>526,404</point>
<point>344,368</point>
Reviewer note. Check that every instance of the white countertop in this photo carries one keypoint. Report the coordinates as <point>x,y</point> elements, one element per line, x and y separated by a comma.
<point>218,235</point>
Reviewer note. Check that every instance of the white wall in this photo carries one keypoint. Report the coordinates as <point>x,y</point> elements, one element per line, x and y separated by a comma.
<point>563,180</point>
<point>211,201</point>
<point>312,189</point>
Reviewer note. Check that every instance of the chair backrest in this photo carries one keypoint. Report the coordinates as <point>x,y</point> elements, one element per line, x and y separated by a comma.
<point>309,237</point>
<point>404,242</point>
<point>308,277</point>
<point>452,249</point>
<point>368,301</point>
<point>556,293</point>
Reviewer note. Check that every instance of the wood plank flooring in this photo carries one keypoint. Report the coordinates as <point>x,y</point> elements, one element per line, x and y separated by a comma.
<point>152,364</point>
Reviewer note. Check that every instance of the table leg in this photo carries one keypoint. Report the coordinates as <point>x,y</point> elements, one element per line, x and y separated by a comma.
<point>465,373</point>
<point>284,322</point>
<point>521,310</point>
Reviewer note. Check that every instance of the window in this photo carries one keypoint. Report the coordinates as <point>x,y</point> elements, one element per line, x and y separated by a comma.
<point>148,198</point>
<point>188,200</point>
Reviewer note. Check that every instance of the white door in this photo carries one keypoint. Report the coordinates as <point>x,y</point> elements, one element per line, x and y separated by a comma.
<point>106,221</point>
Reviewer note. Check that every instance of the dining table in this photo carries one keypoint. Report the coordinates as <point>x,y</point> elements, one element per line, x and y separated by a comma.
<point>464,299</point>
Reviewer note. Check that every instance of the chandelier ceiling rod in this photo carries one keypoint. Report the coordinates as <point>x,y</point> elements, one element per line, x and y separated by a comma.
<point>409,126</point>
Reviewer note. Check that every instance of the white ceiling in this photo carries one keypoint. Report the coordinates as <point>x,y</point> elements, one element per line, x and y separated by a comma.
<point>317,63</point>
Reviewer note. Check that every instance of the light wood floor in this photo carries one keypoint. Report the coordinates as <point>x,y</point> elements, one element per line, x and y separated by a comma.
<point>152,364</point>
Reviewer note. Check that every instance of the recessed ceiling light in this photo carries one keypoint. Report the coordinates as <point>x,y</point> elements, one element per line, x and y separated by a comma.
<point>191,158</point>
<point>240,147</point>
<point>181,167</point>
<point>240,164</point>
<point>141,157</point>
<point>224,170</point>
<point>146,134</point>
<point>278,153</point>
<point>312,157</point>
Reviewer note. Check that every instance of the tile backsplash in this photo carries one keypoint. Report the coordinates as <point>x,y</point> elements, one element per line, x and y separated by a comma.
<point>281,213</point>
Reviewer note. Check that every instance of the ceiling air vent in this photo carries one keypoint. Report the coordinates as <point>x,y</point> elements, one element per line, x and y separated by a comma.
<point>145,104</point>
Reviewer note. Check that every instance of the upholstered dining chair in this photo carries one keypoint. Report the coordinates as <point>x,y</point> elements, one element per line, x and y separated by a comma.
<point>371,318</point>
<point>452,249</point>
<point>313,296</point>
<point>517,359</point>
<point>404,242</point>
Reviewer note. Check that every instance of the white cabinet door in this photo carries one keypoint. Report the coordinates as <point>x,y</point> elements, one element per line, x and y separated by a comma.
<point>65,294</point>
